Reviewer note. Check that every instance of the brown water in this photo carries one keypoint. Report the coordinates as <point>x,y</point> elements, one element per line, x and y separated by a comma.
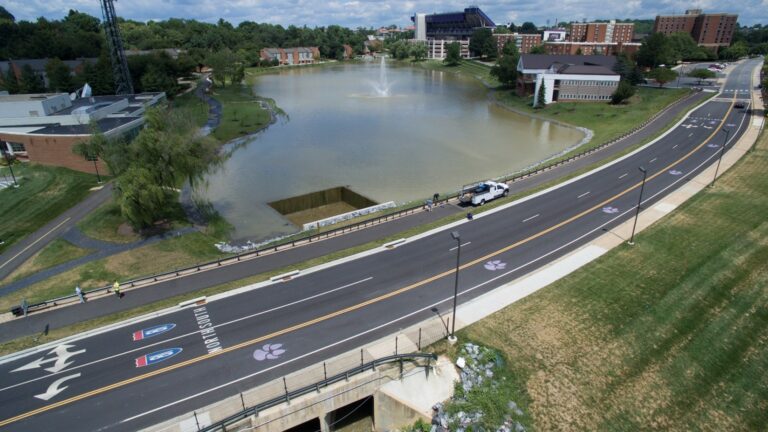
<point>434,133</point>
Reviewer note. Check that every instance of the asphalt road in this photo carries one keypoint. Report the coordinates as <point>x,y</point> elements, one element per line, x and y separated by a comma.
<point>100,382</point>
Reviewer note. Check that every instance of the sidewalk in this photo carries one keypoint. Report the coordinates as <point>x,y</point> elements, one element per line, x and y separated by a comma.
<point>99,306</point>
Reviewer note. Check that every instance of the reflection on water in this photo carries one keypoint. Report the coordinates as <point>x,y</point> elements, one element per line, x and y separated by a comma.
<point>434,133</point>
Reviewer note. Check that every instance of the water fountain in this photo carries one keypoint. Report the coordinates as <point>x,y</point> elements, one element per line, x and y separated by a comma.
<point>381,88</point>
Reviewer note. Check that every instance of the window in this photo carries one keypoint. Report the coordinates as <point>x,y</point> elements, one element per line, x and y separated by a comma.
<point>17,147</point>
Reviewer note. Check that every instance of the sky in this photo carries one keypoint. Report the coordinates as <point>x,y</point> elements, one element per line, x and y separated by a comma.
<point>377,13</point>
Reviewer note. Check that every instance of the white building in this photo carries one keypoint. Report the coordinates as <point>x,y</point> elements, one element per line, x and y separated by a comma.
<point>567,77</point>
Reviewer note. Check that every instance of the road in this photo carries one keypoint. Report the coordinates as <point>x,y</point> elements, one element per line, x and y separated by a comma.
<point>101,382</point>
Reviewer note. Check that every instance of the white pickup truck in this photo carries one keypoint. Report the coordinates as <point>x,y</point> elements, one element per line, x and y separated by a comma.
<point>480,193</point>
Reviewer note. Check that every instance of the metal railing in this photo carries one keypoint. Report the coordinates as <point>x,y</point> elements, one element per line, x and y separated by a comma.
<point>290,243</point>
<point>312,388</point>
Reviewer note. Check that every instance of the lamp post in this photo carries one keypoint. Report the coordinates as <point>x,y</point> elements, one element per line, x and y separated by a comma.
<point>722,150</point>
<point>456,236</point>
<point>9,159</point>
<point>95,166</point>
<point>639,201</point>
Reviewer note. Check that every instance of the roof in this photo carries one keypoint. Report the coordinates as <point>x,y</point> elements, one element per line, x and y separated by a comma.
<point>545,61</point>
<point>585,70</point>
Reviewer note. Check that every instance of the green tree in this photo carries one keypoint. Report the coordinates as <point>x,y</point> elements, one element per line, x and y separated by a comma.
<point>155,79</point>
<point>627,69</point>
<point>685,48</point>
<point>654,51</point>
<point>736,51</point>
<point>142,200</point>
<point>482,43</point>
<point>59,76</point>
<point>662,75</point>
<point>418,51</point>
<point>624,91</point>
<point>541,96</point>
<point>5,15</point>
<point>501,29</point>
<point>30,81</point>
<point>505,69</point>
<point>9,82</point>
<point>453,54</point>
<point>538,49</point>
<point>528,28</point>
<point>701,74</point>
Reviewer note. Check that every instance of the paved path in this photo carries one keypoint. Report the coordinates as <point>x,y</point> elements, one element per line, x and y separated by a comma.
<point>102,250</point>
<point>17,254</point>
<point>104,306</point>
<point>214,107</point>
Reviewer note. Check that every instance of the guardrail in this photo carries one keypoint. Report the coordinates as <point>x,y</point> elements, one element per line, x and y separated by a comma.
<point>312,388</point>
<point>290,243</point>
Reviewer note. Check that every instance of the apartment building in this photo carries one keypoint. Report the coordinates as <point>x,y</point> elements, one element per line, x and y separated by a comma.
<point>708,30</point>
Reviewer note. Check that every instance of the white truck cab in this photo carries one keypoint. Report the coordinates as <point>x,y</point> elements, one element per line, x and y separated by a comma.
<point>480,193</point>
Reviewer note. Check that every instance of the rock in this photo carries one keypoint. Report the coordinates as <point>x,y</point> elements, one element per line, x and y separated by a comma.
<point>461,362</point>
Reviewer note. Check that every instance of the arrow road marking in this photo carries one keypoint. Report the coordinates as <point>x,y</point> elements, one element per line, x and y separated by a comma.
<point>54,389</point>
<point>60,361</point>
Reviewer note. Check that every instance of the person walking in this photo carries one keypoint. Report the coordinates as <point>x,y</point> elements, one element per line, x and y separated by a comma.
<point>116,288</point>
<point>79,293</point>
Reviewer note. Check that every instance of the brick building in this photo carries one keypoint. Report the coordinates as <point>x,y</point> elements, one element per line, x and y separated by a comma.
<point>291,56</point>
<point>524,42</point>
<point>591,48</point>
<point>610,32</point>
<point>43,128</point>
<point>708,30</point>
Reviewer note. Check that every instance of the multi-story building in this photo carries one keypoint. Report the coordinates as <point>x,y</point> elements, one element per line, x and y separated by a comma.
<point>437,49</point>
<point>610,32</point>
<point>590,48</point>
<point>291,56</point>
<point>43,128</point>
<point>451,25</point>
<point>567,77</point>
<point>708,30</point>
<point>524,42</point>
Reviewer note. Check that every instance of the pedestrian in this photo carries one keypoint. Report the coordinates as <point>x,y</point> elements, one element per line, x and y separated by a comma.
<point>79,293</point>
<point>436,198</point>
<point>116,288</point>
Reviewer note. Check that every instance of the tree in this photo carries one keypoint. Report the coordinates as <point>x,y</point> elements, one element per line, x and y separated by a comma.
<point>453,54</point>
<point>5,15</point>
<point>505,69</point>
<point>155,79</point>
<point>541,96</point>
<point>662,75</point>
<point>654,51</point>
<point>142,200</point>
<point>701,74</point>
<point>9,82</point>
<point>59,76</point>
<point>624,91</point>
<point>627,69</point>
<point>685,48</point>
<point>538,49</point>
<point>736,51</point>
<point>482,44</point>
<point>30,81</point>
<point>528,28</point>
<point>501,29</point>
<point>419,51</point>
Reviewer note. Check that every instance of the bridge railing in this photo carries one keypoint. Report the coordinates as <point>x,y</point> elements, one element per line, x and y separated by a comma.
<point>317,236</point>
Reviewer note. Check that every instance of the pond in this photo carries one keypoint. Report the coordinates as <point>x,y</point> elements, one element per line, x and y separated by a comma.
<point>390,133</point>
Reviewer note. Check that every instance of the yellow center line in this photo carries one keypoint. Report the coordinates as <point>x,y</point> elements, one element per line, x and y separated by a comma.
<point>353,307</point>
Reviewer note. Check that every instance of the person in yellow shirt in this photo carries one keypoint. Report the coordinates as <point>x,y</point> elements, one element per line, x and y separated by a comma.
<point>116,288</point>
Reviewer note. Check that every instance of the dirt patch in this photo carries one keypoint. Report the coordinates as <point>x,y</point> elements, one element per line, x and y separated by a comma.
<point>125,230</point>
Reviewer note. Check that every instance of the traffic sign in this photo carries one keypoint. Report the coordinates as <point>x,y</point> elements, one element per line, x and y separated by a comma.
<point>152,331</point>
<point>156,357</point>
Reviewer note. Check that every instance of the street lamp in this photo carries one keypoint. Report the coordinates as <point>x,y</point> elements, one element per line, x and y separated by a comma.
<point>456,236</point>
<point>722,150</point>
<point>8,159</point>
<point>639,201</point>
<point>95,166</point>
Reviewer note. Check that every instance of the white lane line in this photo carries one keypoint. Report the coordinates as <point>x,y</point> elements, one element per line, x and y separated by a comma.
<point>35,242</point>
<point>456,247</point>
<point>675,146</point>
<point>532,217</point>
<point>622,176</point>
<point>652,160</point>
<point>583,195</point>
<point>165,341</point>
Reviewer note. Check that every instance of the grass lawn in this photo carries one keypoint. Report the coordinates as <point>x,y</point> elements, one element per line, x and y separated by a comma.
<point>605,120</point>
<point>466,67</point>
<point>192,107</point>
<point>57,252</point>
<point>241,113</point>
<point>104,223</point>
<point>671,334</point>
<point>44,193</point>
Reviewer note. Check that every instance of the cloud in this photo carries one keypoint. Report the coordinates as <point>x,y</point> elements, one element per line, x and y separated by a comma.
<point>375,13</point>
